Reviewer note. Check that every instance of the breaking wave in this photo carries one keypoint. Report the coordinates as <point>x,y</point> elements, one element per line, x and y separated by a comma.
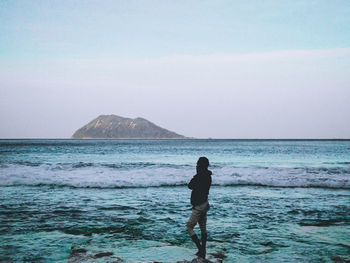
<point>141,175</point>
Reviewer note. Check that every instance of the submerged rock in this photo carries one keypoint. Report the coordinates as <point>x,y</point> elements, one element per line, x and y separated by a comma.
<point>77,255</point>
<point>82,255</point>
<point>196,260</point>
<point>337,259</point>
<point>103,254</point>
<point>76,251</point>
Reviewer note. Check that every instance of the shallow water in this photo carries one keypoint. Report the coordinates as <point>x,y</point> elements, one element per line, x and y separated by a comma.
<point>272,201</point>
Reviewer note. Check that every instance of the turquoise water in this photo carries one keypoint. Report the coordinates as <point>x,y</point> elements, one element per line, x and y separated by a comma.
<point>271,200</point>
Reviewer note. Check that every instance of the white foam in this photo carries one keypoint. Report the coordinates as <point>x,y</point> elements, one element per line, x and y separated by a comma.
<point>99,176</point>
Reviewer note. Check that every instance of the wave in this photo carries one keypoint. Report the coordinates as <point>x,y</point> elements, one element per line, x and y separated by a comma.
<point>172,185</point>
<point>77,165</point>
<point>340,167</point>
<point>141,175</point>
<point>342,163</point>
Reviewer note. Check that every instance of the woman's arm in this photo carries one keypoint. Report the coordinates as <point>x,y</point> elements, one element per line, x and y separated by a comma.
<point>193,183</point>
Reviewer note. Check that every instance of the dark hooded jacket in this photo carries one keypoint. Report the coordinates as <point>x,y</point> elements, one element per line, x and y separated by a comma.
<point>200,185</point>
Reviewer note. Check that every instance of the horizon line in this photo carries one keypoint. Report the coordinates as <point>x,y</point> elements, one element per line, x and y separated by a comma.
<point>188,138</point>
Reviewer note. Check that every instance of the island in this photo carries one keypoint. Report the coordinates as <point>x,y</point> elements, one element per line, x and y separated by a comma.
<point>116,127</point>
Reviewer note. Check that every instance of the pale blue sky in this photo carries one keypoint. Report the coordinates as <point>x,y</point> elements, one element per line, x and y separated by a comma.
<point>252,69</point>
<point>162,28</point>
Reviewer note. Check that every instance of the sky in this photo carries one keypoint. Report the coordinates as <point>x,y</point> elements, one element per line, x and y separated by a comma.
<point>204,69</point>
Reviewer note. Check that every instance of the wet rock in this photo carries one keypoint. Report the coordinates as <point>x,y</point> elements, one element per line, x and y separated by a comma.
<point>196,260</point>
<point>219,255</point>
<point>103,254</point>
<point>77,255</point>
<point>74,251</point>
<point>82,255</point>
<point>337,259</point>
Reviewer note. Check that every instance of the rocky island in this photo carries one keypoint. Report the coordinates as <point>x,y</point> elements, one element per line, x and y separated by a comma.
<point>116,127</point>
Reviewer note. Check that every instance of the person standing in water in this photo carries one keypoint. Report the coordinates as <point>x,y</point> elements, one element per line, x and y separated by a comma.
<point>200,185</point>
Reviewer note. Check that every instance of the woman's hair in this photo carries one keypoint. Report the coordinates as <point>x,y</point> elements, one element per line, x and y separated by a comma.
<point>203,162</point>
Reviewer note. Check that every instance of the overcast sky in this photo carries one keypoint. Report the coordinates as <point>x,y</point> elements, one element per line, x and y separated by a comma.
<point>220,69</point>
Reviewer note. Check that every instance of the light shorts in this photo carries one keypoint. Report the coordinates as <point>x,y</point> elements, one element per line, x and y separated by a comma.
<point>198,215</point>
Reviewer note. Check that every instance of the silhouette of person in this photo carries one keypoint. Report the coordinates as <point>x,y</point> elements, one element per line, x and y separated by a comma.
<point>200,185</point>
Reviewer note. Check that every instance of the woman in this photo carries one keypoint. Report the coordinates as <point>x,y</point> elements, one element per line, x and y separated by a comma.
<point>200,185</point>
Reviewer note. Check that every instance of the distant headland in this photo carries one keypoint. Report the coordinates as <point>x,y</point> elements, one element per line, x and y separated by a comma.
<point>116,127</point>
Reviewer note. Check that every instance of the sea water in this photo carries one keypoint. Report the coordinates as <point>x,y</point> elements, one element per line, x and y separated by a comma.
<point>127,200</point>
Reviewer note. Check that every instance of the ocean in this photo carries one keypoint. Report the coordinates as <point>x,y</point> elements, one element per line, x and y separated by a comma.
<point>127,200</point>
